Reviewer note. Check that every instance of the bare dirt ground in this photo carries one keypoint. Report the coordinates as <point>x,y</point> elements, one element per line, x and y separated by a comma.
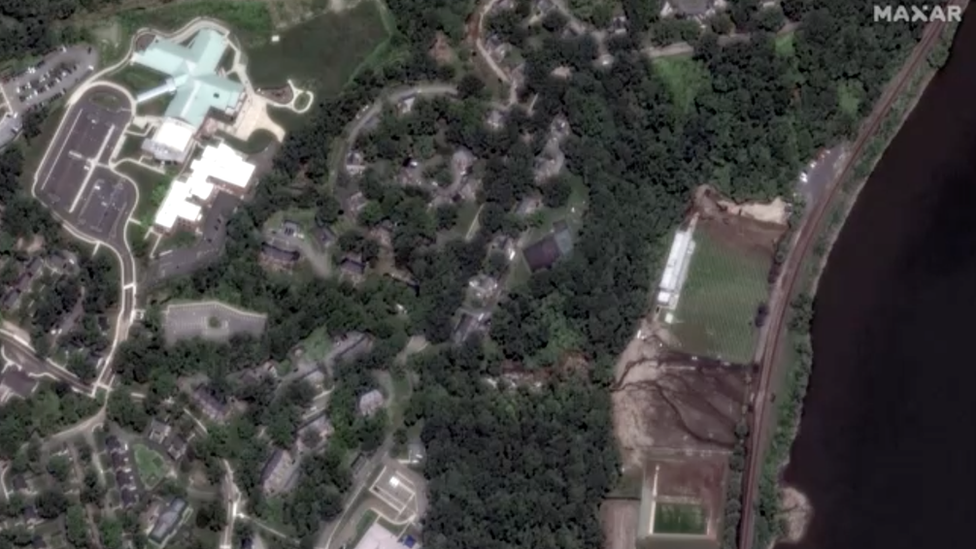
<point>773,212</point>
<point>798,513</point>
<point>664,404</point>
<point>736,226</point>
<point>620,522</point>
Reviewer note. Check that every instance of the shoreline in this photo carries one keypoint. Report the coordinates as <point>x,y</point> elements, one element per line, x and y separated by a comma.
<point>812,264</point>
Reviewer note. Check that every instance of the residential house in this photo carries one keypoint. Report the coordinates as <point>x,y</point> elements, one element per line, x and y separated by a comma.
<point>355,204</point>
<point>370,402</point>
<point>158,431</point>
<point>483,287</point>
<point>469,324</point>
<point>355,163</point>
<point>176,446</point>
<point>278,472</point>
<point>277,256</point>
<point>691,9</point>
<point>326,236</point>
<point>209,405</point>
<point>168,520</point>
<point>353,267</point>
<point>544,253</point>
<point>528,206</point>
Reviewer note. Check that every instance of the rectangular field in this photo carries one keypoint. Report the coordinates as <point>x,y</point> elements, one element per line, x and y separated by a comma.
<point>727,280</point>
<point>324,51</point>
<point>679,518</point>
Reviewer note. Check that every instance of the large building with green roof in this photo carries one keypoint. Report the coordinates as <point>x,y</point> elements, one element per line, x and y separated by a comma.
<point>196,87</point>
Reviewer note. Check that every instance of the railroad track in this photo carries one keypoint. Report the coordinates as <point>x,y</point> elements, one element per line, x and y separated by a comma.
<point>791,273</point>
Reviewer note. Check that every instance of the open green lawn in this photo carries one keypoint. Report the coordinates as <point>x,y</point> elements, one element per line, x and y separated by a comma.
<point>137,79</point>
<point>683,76</point>
<point>323,52</point>
<point>151,466</point>
<point>717,308</point>
<point>849,95</point>
<point>250,21</point>
<point>679,518</point>
<point>152,189</point>
<point>784,44</point>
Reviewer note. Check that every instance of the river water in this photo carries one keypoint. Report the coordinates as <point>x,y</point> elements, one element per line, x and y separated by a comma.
<point>887,447</point>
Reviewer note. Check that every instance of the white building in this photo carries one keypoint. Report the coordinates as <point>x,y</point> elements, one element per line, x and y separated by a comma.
<point>219,167</point>
<point>676,269</point>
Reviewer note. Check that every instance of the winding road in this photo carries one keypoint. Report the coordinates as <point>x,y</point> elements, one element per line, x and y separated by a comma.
<point>770,345</point>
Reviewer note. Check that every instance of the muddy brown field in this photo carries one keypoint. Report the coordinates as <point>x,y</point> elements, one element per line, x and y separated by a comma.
<point>677,408</point>
<point>619,520</point>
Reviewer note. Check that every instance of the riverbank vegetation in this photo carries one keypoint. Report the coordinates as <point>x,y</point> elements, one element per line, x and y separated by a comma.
<point>799,359</point>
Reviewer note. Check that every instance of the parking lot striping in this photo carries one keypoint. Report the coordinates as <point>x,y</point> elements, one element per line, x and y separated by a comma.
<point>64,143</point>
<point>91,168</point>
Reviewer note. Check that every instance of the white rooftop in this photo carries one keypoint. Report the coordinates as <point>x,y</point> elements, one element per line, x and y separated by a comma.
<point>173,139</point>
<point>377,537</point>
<point>220,164</point>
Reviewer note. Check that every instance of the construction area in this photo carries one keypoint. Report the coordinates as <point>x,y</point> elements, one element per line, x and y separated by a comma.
<point>683,383</point>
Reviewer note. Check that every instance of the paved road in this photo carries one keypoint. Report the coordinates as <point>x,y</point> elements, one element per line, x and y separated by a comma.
<point>23,355</point>
<point>83,191</point>
<point>364,118</point>
<point>779,302</point>
<point>360,482</point>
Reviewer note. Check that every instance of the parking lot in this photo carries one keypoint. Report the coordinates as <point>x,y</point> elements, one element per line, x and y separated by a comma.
<point>208,247</point>
<point>210,320</point>
<point>51,78</point>
<point>103,211</point>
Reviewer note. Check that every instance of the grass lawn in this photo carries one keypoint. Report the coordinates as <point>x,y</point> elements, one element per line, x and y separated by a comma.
<point>718,303</point>
<point>365,521</point>
<point>131,147</point>
<point>152,189</point>
<point>250,21</point>
<point>150,464</point>
<point>317,344</point>
<point>323,52</point>
<point>849,95</point>
<point>785,44</point>
<point>136,78</point>
<point>684,77</point>
<point>679,518</point>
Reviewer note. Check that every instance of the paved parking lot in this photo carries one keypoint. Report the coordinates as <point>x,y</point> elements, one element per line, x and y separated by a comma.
<point>58,72</point>
<point>208,248</point>
<point>190,320</point>
<point>103,211</point>
<point>50,79</point>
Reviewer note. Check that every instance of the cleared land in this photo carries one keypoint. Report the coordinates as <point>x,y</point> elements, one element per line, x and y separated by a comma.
<point>323,52</point>
<point>683,76</point>
<point>727,281</point>
<point>151,466</point>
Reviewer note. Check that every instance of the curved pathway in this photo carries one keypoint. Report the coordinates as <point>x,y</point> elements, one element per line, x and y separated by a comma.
<point>79,105</point>
<point>362,119</point>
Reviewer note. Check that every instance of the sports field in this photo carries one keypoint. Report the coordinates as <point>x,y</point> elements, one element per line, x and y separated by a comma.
<point>679,518</point>
<point>322,53</point>
<point>727,280</point>
<point>151,466</point>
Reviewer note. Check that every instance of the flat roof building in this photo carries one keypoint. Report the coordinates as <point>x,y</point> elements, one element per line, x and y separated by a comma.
<point>219,167</point>
<point>196,87</point>
<point>676,269</point>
